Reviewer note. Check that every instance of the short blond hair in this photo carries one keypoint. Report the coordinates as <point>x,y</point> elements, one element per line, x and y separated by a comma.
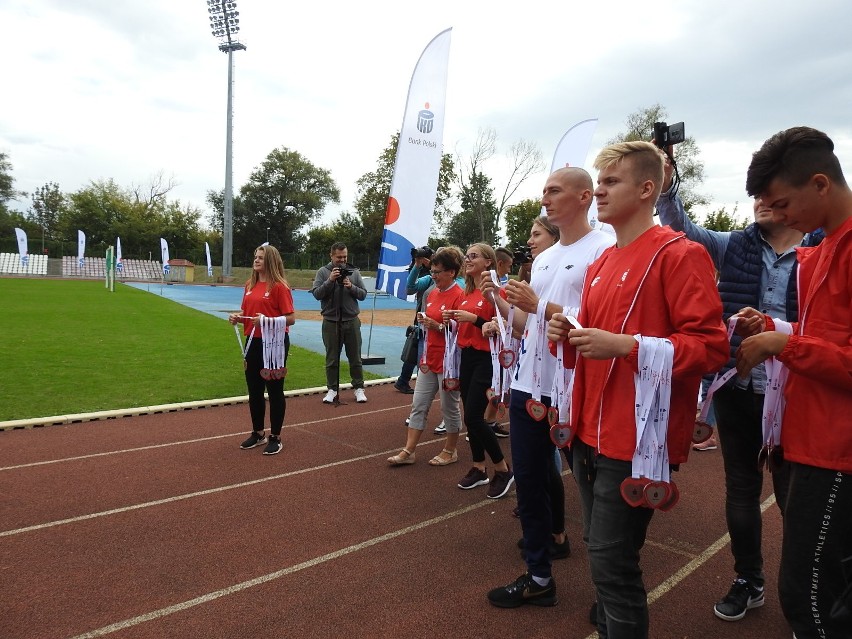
<point>646,160</point>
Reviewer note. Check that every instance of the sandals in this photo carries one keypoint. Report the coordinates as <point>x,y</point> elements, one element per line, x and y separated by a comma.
<point>403,458</point>
<point>437,460</point>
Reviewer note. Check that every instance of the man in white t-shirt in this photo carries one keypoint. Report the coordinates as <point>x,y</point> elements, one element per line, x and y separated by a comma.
<point>556,282</point>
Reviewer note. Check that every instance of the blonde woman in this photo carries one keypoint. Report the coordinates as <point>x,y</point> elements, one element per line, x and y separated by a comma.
<point>267,294</point>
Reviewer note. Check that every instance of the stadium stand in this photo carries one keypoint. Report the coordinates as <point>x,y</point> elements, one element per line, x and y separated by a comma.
<point>11,263</point>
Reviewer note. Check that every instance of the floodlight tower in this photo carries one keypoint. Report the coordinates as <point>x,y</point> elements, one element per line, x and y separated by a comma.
<point>225,24</point>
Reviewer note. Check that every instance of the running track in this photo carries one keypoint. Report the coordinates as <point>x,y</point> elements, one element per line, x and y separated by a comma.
<point>158,526</point>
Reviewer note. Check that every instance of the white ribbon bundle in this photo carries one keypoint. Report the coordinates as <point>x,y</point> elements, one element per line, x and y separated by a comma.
<point>274,332</point>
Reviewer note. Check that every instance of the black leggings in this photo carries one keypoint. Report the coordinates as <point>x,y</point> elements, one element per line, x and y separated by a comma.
<point>475,379</point>
<point>256,385</point>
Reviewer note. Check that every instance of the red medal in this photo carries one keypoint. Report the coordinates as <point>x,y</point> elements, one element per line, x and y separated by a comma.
<point>451,383</point>
<point>656,493</point>
<point>507,358</point>
<point>633,491</point>
<point>424,367</point>
<point>674,496</point>
<point>502,409</point>
<point>552,415</point>
<point>536,409</point>
<point>490,393</point>
<point>702,432</point>
<point>265,373</point>
<point>561,435</point>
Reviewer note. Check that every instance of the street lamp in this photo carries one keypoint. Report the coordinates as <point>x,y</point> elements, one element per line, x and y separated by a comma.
<point>267,235</point>
<point>224,24</point>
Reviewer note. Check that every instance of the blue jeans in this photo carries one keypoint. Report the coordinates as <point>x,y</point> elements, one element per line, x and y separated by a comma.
<point>615,533</point>
<point>532,459</point>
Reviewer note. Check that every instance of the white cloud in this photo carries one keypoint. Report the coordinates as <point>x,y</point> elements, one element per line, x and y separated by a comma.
<point>103,89</point>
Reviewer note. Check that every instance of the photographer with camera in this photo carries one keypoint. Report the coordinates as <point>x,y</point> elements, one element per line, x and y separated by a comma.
<point>418,284</point>
<point>338,287</point>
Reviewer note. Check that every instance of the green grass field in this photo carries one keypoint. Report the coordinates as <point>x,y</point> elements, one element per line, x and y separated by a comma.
<point>72,346</point>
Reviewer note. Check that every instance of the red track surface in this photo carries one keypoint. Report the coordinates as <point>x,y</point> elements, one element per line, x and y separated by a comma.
<point>159,526</point>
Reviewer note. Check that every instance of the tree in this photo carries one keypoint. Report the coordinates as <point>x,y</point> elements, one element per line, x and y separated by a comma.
<point>519,221</point>
<point>474,223</point>
<point>7,182</point>
<point>48,202</point>
<point>640,126</point>
<point>371,202</point>
<point>284,194</point>
<point>526,160</point>
<point>721,220</point>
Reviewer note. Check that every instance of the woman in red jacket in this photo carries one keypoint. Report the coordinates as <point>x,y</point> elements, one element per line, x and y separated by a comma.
<point>267,295</point>
<point>475,375</point>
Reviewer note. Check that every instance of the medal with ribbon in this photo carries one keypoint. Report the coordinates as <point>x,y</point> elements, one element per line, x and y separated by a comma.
<point>535,407</point>
<point>559,414</point>
<point>452,356</point>
<point>273,332</point>
<point>650,482</point>
<point>244,348</point>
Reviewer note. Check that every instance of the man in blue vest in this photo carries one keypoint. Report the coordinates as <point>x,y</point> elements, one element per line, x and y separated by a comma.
<point>756,268</point>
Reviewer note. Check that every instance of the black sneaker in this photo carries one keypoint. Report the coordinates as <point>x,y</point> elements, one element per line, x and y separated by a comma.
<point>255,439</point>
<point>741,597</point>
<point>474,478</point>
<point>404,389</point>
<point>499,429</point>
<point>501,484</point>
<point>556,551</point>
<point>274,446</point>
<point>524,590</point>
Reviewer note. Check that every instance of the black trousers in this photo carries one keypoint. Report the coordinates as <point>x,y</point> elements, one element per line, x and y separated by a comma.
<point>474,380</point>
<point>257,385</point>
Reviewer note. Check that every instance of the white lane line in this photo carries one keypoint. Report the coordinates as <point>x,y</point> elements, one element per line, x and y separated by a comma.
<point>191,441</point>
<point>257,581</point>
<point>693,565</point>
<point>202,493</point>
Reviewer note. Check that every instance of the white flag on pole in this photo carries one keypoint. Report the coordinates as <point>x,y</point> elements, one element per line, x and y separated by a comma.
<point>209,263</point>
<point>22,246</point>
<point>572,151</point>
<point>81,248</point>
<point>418,162</point>
<point>164,249</point>
<point>119,265</point>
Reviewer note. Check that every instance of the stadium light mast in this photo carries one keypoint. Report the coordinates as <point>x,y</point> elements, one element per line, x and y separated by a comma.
<point>225,24</point>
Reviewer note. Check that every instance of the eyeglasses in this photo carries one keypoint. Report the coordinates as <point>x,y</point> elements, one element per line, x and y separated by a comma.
<point>471,256</point>
<point>434,273</point>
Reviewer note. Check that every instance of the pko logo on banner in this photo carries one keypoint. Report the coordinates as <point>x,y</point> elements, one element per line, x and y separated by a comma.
<point>425,120</point>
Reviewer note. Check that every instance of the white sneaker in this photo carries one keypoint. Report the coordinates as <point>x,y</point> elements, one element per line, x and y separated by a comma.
<point>329,397</point>
<point>360,395</point>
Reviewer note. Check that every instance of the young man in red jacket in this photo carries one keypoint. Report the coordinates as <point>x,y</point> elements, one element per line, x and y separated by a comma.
<point>797,174</point>
<point>654,291</point>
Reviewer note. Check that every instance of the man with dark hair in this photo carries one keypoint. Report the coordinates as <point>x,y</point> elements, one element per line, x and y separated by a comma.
<point>757,267</point>
<point>798,176</point>
<point>339,287</point>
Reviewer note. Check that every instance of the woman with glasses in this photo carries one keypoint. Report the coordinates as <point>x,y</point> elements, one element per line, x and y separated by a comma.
<point>475,375</point>
<point>447,294</point>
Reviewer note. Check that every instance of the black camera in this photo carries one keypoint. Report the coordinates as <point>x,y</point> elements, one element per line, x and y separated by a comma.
<point>522,255</point>
<point>423,251</point>
<point>666,135</point>
<point>345,271</point>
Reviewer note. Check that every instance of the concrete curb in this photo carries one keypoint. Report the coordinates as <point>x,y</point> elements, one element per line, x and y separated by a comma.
<point>60,420</point>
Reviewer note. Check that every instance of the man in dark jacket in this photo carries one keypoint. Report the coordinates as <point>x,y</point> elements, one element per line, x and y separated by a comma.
<point>339,287</point>
<point>756,268</point>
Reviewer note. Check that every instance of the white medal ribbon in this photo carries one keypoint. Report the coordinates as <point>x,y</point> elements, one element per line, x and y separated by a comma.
<point>273,332</point>
<point>773,400</point>
<point>540,332</point>
<point>653,398</point>
<point>244,348</point>
<point>494,344</point>
<point>452,355</point>
<point>563,380</point>
<point>718,380</point>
